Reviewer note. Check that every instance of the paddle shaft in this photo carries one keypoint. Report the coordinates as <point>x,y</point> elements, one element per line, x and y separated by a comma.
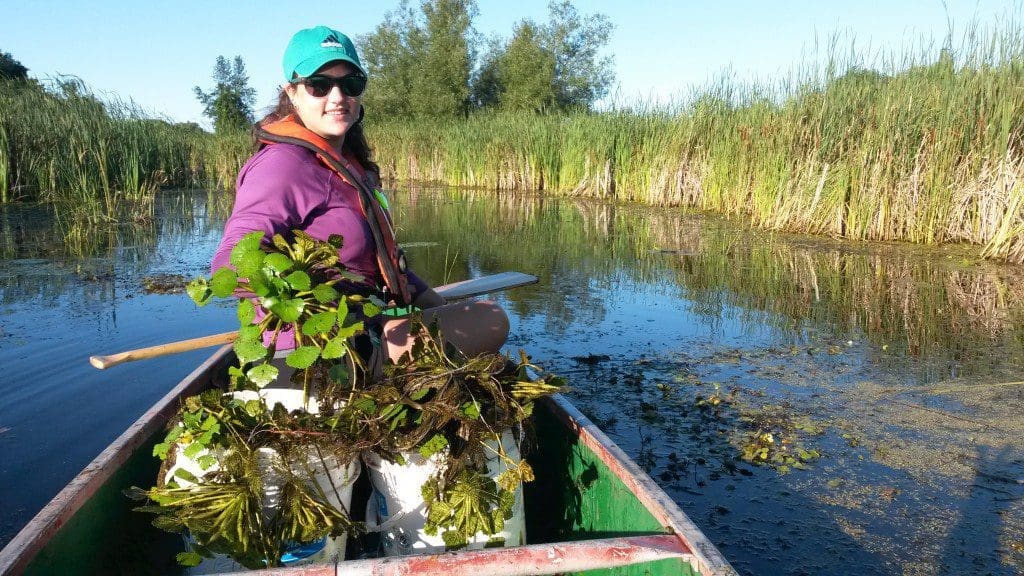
<point>464,289</point>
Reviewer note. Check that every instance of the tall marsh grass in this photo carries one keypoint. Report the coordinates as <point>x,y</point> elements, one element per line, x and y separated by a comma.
<point>929,149</point>
<point>101,161</point>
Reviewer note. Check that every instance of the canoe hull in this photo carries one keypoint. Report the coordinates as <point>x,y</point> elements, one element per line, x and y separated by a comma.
<point>586,489</point>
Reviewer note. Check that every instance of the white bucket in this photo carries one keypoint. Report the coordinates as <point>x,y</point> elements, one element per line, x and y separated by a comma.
<point>396,508</point>
<point>329,475</point>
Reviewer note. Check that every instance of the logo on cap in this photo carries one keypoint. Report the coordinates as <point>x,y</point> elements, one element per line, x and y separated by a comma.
<point>331,42</point>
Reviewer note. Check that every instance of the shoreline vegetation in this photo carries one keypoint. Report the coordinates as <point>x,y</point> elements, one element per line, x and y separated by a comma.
<point>931,152</point>
<point>101,161</point>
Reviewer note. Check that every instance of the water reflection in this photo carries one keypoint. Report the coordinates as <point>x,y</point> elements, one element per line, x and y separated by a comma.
<point>925,303</point>
<point>906,356</point>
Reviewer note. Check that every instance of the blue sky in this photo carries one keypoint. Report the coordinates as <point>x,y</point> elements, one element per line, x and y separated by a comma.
<point>155,52</point>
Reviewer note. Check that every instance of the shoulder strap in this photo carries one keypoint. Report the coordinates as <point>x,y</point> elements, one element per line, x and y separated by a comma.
<point>390,258</point>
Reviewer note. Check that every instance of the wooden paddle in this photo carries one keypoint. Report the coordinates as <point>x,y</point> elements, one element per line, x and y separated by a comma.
<point>456,291</point>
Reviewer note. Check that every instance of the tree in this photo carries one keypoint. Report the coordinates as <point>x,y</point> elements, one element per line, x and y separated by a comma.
<point>229,104</point>
<point>485,84</point>
<point>527,72</point>
<point>442,85</point>
<point>581,76</point>
<point>555,66</point>
<point>11,69</point>
<point>387,54</point>
<point>420,62</point>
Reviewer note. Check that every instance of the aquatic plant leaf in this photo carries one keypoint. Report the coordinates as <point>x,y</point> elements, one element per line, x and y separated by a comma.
<point>247,256</point>
<point>189,559</point>
<point>254,407</point>
<point>246,313</point>
<point>319,323</point>
<point>185,474</point>
<point>334,349</point>
<point>366,405</point>
<point>299,280</point>
<point>302,357</point>
<point>258,284</point>
<point>342,311</point>
<point>249,350</point>
<point>325,293</point>
<point>288,310</point>
<point>160,450</point>
<point>263,374</point>
<point>206,461</point>
<point>370,309</point>
<point>436,443</point>
<point>278,262</point>
<point>199,291</point>
<point>194,449</point>
<point>339,373</point>
<point>280,243</point>
<point>250,332</point>
<point>471,409</point>
<point>224,282</point>
<point>350,330</point>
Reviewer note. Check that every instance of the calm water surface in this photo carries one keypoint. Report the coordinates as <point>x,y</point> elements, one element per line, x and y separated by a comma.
<point>684,338</point>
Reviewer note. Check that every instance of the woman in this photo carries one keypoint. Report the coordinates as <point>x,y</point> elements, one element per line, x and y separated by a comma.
<point>313,172</point>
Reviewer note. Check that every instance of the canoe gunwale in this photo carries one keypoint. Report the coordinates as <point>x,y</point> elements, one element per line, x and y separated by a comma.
<point>528,560</point>
<point>20,551</point>
<point>706,559</point>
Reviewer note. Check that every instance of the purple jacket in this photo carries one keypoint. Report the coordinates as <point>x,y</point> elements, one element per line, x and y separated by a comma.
<point>284,187</point>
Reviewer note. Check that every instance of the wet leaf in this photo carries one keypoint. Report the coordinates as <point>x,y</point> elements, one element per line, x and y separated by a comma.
<point>339,373</point>
<point>246,314</point>
<point>263,374</point>
<point>435,444</point>
<point>325,293</point>
<point>289,310</point>
<point>278,262</point>
<point>299,280</point>
<point>370,309</point>
<point>199,291</point>
<point>224,282</point>
<point>335,348</point>
<point>350,330</point>
<point>319,323</point>
<point>247,256</point>
<point>249,350</point>
<point>470,410</point>
<point>303,357</point>
<point>185,474</point>
<point>189,559</point>
<point>342,312</point>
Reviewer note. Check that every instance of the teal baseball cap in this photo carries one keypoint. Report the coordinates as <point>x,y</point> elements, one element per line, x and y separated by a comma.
<point>311,48</point>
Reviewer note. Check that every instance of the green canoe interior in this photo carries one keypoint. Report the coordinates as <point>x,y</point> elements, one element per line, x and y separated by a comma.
<point>574,497</point>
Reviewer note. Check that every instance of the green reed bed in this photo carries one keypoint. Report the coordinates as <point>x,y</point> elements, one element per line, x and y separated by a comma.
<point>929,150</point>
<point>100,161</point>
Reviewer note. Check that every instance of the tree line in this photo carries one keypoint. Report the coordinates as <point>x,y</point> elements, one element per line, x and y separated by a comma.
<point>430,62</point>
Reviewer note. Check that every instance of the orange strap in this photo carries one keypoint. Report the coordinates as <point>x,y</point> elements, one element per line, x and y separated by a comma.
<point>390,258</point>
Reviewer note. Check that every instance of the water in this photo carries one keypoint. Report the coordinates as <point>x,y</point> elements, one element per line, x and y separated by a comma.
<point>900,366</point>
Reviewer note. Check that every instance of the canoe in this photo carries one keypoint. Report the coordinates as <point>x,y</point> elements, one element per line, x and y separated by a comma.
<point>590,511</point>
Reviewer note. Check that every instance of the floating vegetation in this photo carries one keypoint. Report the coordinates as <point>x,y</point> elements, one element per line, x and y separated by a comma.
<point>769,434</point>
<point>164,283</point>
<point>772,437</point>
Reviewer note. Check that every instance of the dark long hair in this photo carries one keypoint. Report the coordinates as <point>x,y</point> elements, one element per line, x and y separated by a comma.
<point>355,139</point>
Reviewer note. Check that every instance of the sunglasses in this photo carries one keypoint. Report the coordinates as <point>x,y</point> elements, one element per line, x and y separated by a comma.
<point>319,86</point>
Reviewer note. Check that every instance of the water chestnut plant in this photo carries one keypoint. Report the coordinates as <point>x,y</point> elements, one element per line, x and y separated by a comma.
<point>228,448</point>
